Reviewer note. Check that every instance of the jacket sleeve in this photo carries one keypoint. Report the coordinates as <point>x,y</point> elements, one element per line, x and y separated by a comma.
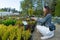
<point>44,19</point>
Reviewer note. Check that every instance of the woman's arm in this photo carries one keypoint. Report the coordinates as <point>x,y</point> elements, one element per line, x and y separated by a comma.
<point>44,19</point>
<point>34,18</point>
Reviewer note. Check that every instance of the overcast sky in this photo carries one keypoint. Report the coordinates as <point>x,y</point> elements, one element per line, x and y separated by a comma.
<point>10,4</point>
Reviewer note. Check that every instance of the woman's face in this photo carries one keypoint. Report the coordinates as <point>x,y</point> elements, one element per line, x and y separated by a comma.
<point>45,11</point>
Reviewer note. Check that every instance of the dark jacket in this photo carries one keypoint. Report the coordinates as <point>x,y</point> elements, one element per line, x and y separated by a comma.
<point>46,21</point>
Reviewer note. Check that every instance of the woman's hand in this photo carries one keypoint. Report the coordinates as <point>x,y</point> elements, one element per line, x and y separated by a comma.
<point>34,18</point>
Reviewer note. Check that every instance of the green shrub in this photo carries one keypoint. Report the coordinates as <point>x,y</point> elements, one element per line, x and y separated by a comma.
<point>13,33</point>
<point>9,22</point>
<point>1,21</point>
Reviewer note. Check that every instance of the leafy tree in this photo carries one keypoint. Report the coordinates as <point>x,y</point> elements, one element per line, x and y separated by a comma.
<point>34,7</point>
<point>28,7</point>
<point>57,11</point>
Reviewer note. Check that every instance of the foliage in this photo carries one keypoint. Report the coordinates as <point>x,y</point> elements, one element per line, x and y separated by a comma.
<point>57,9</point>
<point>8,9</point>
<point>13,33</point>
<point>26,34</point>
<point>1,21</point>
<point>19,22</point>
<point>36,7</point>
<point>8,22</point>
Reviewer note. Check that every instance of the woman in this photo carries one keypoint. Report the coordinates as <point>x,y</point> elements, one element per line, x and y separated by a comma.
<point>46,28</point>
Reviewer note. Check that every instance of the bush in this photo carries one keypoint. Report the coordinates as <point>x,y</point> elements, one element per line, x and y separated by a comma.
<point>9,22</point>
<point>19,22</point>
<point>13,33</point>
<point>1,21</point>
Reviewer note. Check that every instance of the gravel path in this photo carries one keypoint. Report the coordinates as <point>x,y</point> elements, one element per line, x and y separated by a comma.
<point>36,35</point>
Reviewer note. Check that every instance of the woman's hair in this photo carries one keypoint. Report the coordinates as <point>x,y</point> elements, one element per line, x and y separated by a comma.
<point>46,7</point>
<point>48,10</point>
